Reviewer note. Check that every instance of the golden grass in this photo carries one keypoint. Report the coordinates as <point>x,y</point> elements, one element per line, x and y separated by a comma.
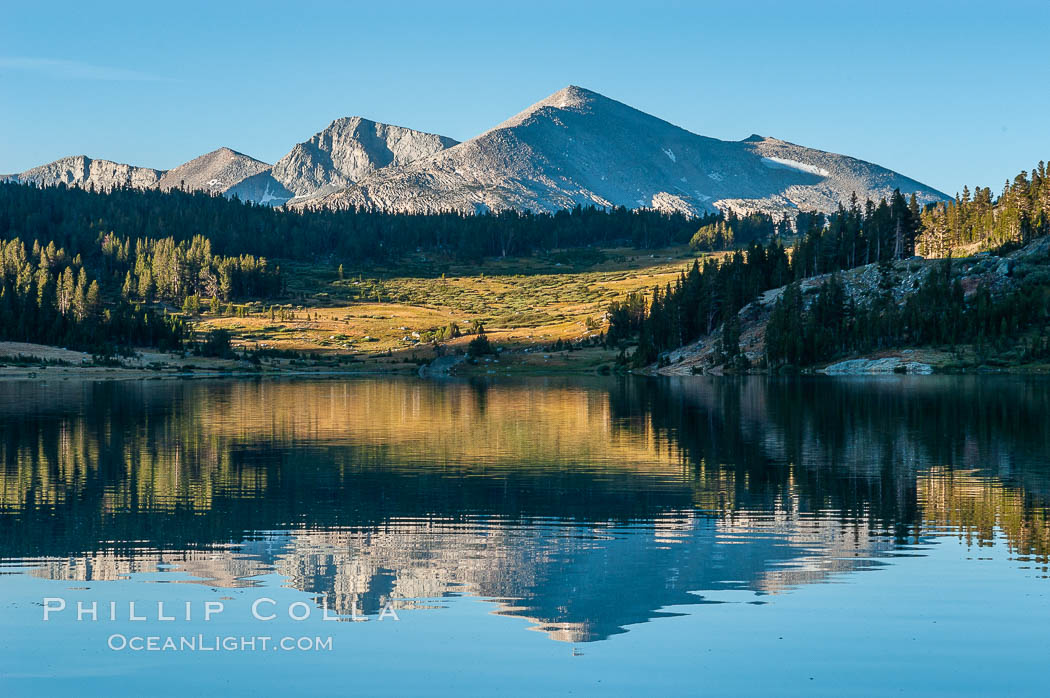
<point>520,302</point>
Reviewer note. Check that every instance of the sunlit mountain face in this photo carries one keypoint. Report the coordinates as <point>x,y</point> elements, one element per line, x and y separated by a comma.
<point>584,505</point>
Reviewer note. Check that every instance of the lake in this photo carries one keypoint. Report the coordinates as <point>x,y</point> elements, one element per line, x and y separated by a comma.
<point>581,536</point>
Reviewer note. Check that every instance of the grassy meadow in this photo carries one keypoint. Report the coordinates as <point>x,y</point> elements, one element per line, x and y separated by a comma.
<point>400,313</point>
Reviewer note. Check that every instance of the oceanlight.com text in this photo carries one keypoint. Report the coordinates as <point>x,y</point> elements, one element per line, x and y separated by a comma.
<point>217,643</point>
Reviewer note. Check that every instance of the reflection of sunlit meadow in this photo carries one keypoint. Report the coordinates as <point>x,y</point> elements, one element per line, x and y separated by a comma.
<point>497,426</point>
<point>978,508</point>
<point>185,461</point>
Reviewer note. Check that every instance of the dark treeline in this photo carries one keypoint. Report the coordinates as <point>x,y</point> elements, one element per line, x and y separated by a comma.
<point>1021,214</point>
<point>733,231</point>
<point>47,297</point>
<point>936,313</point>
<point>77,219</point>
<point>69,278</point>
<point>857,235</point>
<point>701,300</point>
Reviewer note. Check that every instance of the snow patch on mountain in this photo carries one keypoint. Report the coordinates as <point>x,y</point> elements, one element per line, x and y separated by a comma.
<point>795,165</point>
<point>268,198</point>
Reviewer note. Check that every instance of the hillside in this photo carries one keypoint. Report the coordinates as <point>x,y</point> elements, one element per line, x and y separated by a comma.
<point>895,285</point>
<point>578,147</point>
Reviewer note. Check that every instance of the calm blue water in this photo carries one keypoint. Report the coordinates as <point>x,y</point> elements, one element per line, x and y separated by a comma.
<point>555,536</point>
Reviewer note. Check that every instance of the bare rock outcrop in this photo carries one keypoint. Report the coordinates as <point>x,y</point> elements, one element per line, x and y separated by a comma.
<point>82,171</point>
<point>349,150</point>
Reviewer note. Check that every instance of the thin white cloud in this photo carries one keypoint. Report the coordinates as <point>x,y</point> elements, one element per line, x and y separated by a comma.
<point>72,70</point>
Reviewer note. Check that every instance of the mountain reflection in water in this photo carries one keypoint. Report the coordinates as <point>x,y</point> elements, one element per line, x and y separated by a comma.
<point>585,505</point>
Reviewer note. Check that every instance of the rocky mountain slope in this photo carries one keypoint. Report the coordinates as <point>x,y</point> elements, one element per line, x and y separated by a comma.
<point>225,171</point>
<point>574,147</point>
<point>82,171</point>
<point>578,147</point>
<point>349,150</point>
<point>997,274</point>
<point>215,171</point>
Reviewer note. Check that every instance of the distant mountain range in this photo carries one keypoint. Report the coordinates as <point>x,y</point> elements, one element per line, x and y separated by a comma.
<point>575,147</point>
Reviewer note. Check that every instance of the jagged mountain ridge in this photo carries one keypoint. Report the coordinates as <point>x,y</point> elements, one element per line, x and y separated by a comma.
<point>222,171</point>
<point>350,149</point>
<point>575,147</point>
<point>346,150</point>
<point>579,147</point>
<point>82,171</point>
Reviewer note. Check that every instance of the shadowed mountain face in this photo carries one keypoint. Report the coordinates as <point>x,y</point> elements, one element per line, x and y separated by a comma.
<point>579,148</point>
<point>584,505</point>
<point>575,147</point>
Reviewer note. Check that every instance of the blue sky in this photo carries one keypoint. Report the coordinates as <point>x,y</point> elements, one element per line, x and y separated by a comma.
<point>949,93</point>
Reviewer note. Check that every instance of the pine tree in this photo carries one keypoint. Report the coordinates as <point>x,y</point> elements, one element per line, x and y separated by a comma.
<point>64,294</point>
<point>127,290</point>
